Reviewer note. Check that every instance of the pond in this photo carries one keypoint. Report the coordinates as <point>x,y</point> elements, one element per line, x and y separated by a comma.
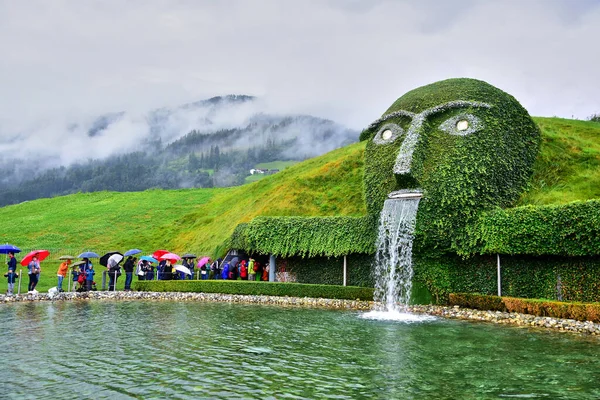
<point>138,349</point>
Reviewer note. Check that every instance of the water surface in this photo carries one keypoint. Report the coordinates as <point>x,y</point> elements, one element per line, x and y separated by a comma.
<point>137,349</point>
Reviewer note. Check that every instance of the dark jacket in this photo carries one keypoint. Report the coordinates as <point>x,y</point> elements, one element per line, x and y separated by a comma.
<point>128,266</point>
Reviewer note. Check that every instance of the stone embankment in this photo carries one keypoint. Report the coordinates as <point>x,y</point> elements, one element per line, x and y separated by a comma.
<point>496,317</point>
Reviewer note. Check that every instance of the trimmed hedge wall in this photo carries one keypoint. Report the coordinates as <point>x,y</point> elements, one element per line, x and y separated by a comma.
<point>574,278</point>
<point>306,236</point>
<point>258,288</point>
<point>542,308</point>
<point>330,271</point>
<point>571,229</point>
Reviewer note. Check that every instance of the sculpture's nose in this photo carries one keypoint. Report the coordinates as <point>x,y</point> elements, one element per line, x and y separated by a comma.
<point>405,154</point>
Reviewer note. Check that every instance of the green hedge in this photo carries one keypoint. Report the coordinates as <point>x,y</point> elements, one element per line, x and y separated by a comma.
<point>258,288</point>
<point>306,236</point>
<point>542,308</point>
<point>571,229</point>
<point>573,278</point>
<point>329,270</point>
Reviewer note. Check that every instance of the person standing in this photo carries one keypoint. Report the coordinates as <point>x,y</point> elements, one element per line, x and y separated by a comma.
<point>114,270</point>
<point>128,267</point>
<point>141,270</point>
<point>62,273</point>
<point>189,264</point>
<point>12,272</point>
<point>89,278</point>
<point>75,273</point>
<point>251,272</point>
<point>149,269</point>
<point>216,268</point>
<point>204,270</point>
<point>34,274</point>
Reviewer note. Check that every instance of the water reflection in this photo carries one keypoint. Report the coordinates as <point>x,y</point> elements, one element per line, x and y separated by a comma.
<point>193,350</point>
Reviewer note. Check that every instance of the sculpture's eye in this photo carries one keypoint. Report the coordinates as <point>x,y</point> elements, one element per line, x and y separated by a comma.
<point>388,133</point>
<point>462,125</point>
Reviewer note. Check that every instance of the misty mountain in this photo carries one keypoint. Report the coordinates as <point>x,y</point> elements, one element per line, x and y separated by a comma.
<point>213,142</point>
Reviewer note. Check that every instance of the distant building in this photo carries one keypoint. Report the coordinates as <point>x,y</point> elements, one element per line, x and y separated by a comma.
<point>254,171</point>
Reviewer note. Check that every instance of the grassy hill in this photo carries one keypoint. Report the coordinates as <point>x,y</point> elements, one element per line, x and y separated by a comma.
<point>200,220</point>
<point>197,220</point>
<point>568,166</point>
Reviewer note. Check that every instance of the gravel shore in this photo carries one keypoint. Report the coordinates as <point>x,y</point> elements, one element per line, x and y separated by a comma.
<point>455,312</point>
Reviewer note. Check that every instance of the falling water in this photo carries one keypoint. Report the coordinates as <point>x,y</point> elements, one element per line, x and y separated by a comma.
<point>393,261</point>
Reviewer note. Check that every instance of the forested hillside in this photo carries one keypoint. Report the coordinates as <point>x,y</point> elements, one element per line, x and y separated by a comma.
<point>219,153</point>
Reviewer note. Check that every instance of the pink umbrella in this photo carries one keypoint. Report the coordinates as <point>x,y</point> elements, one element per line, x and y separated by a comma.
<point>170,257</point>
<point>203,261</point>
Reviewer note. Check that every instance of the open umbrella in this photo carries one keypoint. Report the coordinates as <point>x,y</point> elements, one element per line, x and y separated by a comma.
<point>170,257</point>
<point>149,259</point>
<point>104,258</point>
<point>132,252</point>
<point>159,253</point>
<point>88,254</point>
<point>188,255</point>
<point>9,248</point>
<point>114,260</point>
<point>77,263</point>
<point>67,257</point>
<point>40,254</point>
<point>234,261</point>
<point>203,261</point>
<point>181,268</point>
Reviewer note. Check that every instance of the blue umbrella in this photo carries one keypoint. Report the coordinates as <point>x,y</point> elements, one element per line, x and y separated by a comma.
<point>88,254</point>
<point>148,258</point>
<point>132,252</point>
<point>9,248</point>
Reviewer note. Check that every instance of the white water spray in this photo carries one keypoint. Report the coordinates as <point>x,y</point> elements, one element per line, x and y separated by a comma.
<point>393,261</point>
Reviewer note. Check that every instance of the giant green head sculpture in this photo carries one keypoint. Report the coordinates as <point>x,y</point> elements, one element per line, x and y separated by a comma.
<point>465,144</point>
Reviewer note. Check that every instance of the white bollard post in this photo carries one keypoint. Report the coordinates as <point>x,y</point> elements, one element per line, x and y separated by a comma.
<point>499,276</point>
<point>345,271</point>
<point>20,274</point>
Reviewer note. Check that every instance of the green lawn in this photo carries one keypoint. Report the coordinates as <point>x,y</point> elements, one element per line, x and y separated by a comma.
<point>568,166</point>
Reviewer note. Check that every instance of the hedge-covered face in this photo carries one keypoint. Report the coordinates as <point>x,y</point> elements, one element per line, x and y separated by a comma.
<point>464,143</point>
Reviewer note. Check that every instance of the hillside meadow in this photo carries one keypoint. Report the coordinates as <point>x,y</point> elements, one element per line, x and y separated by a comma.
<point>201,220</point>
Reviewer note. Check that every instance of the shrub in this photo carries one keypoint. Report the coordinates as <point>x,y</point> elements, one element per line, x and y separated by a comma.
<point>539,307</point>
<point>571,229</point>
<point>306,236</point>
<point>258,288</point>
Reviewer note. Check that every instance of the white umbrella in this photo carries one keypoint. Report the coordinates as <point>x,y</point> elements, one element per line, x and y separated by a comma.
<point>114,260</point>
<point>181,268</point>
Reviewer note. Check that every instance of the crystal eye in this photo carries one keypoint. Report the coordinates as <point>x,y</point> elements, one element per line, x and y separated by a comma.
<point>462,125</point>
<point>388,134</point>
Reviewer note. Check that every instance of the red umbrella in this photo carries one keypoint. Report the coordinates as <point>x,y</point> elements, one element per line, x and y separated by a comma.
<point>159,253</point>
<point>170,257</point>
<point>41,255</point>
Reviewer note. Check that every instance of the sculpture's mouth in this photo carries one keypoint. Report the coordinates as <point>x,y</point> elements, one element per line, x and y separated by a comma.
<point>406,194</point>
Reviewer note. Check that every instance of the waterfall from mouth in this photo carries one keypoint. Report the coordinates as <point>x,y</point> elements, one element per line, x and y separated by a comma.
<point>393,261</point>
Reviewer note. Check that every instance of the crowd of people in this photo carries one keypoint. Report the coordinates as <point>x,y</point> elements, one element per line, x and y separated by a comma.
<point>82,272</point>
<point>249,269</point>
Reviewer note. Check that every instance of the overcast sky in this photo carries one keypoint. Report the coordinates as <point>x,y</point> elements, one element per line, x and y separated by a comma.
<point>347,60</point>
